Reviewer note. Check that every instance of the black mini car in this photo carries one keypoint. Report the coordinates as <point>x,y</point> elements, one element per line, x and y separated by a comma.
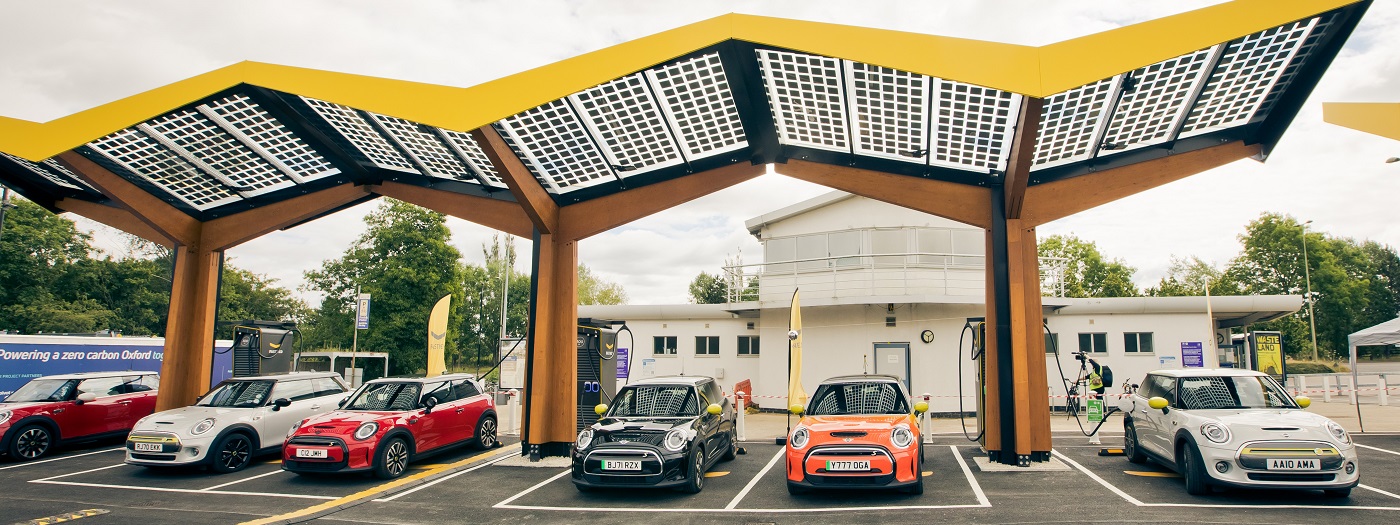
<point>658,432</point>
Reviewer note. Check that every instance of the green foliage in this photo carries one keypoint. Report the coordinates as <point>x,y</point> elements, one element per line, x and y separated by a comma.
<point>1088,274</point>
<point>708,289</point>
<point>404,261</point>
<point>479,312</point>
<point>1312,367</point>
<point>593,289</point>
<point>1189,277</point>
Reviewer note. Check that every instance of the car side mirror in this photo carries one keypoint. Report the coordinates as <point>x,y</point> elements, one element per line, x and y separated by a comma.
<point>600,409</point>
<point>1303,401</point>
<point>714,409</point>
<point>428,404</point>
<point>280,403</point>
<point>920,407</point>
<point>1158,403</point>
<point>796,410</point>
<point>86,397</point>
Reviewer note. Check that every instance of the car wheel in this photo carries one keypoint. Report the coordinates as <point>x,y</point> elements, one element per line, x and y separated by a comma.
<point>31,442</point>
<point>1338,493</point>
<point>232,453</point>
<point>1131,448</point>
<point>1197,482</point>
<point>696,480</point>
<point>486,433</point>
<point>732,451</point>
<point>392,460</point>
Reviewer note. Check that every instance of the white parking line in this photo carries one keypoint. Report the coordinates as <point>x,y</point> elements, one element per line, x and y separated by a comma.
<point>442,479</point>
<point>1379,491</point>
<point>506,503</point>
<point>187,491</point>
<point>60,459</point>
<point>1378,449</point>
<point>1138,503</point>
<point>79,472</point>
<point>971,480</point>
<point>278,471</point>
<point>735,502</point>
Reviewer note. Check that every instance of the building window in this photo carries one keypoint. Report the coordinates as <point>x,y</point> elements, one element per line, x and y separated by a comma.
<point>664,345</point>
<point>1052,340</point>
<point>1093,343</point>
<point>748,345</point>
<point>1137,342</point>
<point>706,345</point>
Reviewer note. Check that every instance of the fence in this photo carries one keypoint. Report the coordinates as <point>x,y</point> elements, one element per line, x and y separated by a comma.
<point>915,273</point>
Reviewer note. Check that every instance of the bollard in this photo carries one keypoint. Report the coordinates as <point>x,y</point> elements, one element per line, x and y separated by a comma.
<point>1382,386</point>
<point>513,412</point>
<point>739,417</point>
<point>1326,389</point>
<point>924,420</point>
<point>1352,395</point>
<point>1302,385</point>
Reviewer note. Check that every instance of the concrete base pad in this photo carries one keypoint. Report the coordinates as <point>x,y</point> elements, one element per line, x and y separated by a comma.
<point>548,462</point>
<point>985,465</point>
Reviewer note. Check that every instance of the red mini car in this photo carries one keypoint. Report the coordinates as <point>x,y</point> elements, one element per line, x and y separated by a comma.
<point>857,432</point>
<point>73,407</point>
<point>387,423</point>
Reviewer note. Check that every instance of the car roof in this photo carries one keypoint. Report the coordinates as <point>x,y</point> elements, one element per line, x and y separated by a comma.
<point>287,375</point>
<point>862,378</point>
<point>444,377</point>
<point>90,375</point>
<point>671,380</point>
<point>1199,372</point>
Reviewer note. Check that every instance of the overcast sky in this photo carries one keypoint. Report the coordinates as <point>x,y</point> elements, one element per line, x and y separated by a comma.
<point>61,57</point>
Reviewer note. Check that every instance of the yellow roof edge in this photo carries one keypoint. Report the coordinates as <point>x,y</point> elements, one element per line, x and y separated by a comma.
<point>1377,118</point>
<point>1031,71</point>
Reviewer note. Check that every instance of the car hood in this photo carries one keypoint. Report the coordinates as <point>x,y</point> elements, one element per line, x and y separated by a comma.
<point>353,418</point>
<point>607,425</point>
<point>860,422</point>
<point>179,419</point>
<point>1253,424</point>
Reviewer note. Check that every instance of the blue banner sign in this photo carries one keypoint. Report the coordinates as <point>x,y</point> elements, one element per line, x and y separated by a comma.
<point>622,363</point>
<point>25,357</point>
<point>1193,355</point>
<point>362,312</point>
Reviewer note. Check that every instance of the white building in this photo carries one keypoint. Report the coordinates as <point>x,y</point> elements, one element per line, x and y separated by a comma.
<point>874,278</point>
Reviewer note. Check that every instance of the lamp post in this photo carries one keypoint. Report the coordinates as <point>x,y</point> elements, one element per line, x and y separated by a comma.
<point>1307,277</point>
<point>4,205</point>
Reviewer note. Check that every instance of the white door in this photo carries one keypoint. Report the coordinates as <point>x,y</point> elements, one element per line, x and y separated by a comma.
<point>280,420</point>
<point>893,359</point>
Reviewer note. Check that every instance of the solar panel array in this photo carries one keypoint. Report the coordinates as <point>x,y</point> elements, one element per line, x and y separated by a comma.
<point>223,151</point>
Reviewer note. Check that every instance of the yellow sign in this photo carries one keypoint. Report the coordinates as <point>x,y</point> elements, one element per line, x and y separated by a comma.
<point>1268,351</point>
<point>437,337</point>
<point>796,395</point>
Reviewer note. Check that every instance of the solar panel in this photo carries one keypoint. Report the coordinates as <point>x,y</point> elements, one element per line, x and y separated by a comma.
<point>349,124</point>
<point>470,152</point>
<point>696,100</point>
<point>1160,94</point>
<point>554,144</point>
<point>145,157</point>
<point>46,171</point>
<point>805,94</point>
<point>433,157</point>
<point>972,125</point>
<point>201,142</point>
<point>1247,72</point>
<point>257,129</point>
<point>889,112</point>
<point>628,124</point>
<point>1070,120</point>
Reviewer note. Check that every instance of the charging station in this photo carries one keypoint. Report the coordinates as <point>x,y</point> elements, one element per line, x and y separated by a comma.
<point>262,347</point>
<point>597,367</point>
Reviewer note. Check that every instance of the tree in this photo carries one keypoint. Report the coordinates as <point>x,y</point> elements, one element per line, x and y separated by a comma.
<point>246,295</point>
<point>596,290</point>
<point>405,262</point>
<point>1087,273</point>
<point>39,249</point>
<point>480,309</point>
<point>1188,277</point>
<point>708,289</point>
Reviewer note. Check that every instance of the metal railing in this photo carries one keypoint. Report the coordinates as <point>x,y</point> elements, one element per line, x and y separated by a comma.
<point>915,273</point>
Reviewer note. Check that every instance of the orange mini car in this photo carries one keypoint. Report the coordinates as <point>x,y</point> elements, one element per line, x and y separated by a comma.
<point>857,432</point>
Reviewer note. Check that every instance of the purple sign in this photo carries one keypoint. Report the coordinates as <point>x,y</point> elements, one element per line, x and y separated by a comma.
<point>622,363</point>
<point>1192,355</point>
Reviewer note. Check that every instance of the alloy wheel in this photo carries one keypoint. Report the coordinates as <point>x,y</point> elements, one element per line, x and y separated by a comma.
<point>396,458</point>
<point>235,453</point>
<point>488,433</point>
<point>33,443</point>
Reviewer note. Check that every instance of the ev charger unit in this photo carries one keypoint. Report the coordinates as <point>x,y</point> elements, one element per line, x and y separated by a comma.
<point>597,367</point>
<point>262,347</point>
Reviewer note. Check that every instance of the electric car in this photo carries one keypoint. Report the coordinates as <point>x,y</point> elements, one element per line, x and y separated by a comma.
<point>235,421</point>
<point>73,407</point>
<point>388,423</point>
<point>1236,428</point>
<point>658,432</point>
<point>857,432</point>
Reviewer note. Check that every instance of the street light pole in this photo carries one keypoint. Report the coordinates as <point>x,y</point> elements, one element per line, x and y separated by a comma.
<point>1307,276</point>
<point>4,205</point>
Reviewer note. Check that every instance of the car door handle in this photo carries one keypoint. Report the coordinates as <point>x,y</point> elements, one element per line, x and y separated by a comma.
<point>315,407</point>
<point>413,421</point>
<point>460,410</point>
<point>127,402</point>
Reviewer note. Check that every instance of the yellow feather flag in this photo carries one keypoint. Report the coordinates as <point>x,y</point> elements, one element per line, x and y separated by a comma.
<point>796,395</point>
<point>437,337</point>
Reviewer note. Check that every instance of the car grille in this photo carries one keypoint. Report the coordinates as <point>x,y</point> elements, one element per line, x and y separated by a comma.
<point>650,438</point>
<point>848,434</point>
<point>1267,476</point>
<point>154,457</point>
<point>1256,456</point>
<point>315,466</point>
<point>317,441</point>
<point>651,462</point>
<point>850,481</point>
<point>851,452</point>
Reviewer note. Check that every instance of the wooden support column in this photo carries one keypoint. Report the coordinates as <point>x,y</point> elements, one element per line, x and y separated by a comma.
<point>552,383</point>
<point>189,328</point>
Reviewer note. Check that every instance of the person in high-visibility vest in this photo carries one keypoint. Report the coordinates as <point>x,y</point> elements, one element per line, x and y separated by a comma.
<point>1095,376</point>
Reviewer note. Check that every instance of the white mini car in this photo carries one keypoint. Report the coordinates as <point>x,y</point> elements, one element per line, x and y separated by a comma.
<point>1236,428</point>
<point>238,419</point>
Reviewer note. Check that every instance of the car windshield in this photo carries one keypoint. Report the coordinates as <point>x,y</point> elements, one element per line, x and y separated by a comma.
<point>655,401</point>
<point>1216,392</point>
<point>385,396</point>
<point>237,394</point>
<point>858,398</point>
<point>43,390</point>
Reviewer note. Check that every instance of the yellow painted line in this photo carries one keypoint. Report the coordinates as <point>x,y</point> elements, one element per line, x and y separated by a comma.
<point>716,474</point>
<point>68,516</point>
<point>376,490</point>
<point>1151,474</point>
<point>928,472</point>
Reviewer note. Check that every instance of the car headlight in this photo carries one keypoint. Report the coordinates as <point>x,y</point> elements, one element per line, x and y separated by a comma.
<point>585,438</point>
<point>366,431</point>
<point>202,426</point>
<point>1215,432</point>
<point>901,436</point>
<point>4,416</point>
<point>294,428</point>
<point>799,438</point>
<point>676,440</point>
<point>1332,428</point>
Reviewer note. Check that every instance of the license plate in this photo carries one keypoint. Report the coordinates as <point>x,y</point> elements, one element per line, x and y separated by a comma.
<point>1294,464</point>
<point>315,453</point>
<point>847,466</point>
<point>626,464</point>
<point>147,447</point>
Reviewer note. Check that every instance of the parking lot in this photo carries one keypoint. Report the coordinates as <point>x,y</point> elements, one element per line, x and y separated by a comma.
<point>478,487</point>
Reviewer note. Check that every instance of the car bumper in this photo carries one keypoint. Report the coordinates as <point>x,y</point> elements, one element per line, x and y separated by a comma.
<point>174,450</point>
<point>340,456</point>
<point>1245,471</point>
<point>660,468</point>
<point>888,469</point>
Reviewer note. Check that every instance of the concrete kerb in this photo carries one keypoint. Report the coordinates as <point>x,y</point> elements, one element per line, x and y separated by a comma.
<point>367,495</point>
